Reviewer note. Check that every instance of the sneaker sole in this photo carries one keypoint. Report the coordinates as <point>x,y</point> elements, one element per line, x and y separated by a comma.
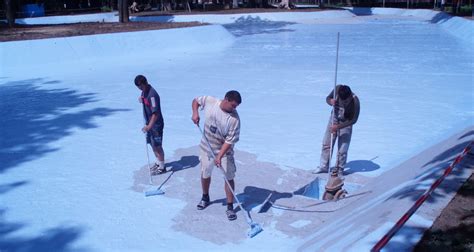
<point>232,216</point>
<point>155,173</point>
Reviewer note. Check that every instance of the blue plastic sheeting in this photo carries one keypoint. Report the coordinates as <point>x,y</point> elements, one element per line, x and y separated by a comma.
<point>33,10</point>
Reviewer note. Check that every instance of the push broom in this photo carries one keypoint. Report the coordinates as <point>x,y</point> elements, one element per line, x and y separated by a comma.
<point>158,191</point>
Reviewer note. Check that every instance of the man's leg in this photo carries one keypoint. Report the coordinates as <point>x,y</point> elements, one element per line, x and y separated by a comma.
<point>159,154</point>
<point>228,192</point>
<point>228,166</point>
<point>230,201</point>
<point>205,184</point>
<point>325,151</point>
<point>157,145</point>
<point>206,171</point>
<point>205,200</point>
<point>343,143</point>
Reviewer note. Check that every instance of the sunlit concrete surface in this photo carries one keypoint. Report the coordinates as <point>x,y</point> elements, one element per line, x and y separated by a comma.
<point>73,158</point>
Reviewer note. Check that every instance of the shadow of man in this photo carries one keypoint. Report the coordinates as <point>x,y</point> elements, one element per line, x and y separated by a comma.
<point>255,196</point>
<point>360,166</point>
<point>184,163</point>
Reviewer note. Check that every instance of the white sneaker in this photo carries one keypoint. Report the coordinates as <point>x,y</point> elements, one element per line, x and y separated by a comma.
<point>157,170</point>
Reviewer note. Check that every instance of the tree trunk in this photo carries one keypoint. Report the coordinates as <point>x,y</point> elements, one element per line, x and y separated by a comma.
<point>10,12</point>
<point>227,5</point>
<point>119,7</point>
<point>123,11</point>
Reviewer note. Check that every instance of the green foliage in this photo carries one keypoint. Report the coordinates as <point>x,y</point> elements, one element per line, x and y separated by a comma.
<point>466,9</point>
<point>106,9</point>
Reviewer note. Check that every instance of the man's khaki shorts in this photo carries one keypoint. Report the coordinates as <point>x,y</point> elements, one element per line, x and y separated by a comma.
<point>207,165</point>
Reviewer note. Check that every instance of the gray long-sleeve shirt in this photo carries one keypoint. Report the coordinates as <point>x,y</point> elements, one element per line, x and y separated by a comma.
<point>346,111</point>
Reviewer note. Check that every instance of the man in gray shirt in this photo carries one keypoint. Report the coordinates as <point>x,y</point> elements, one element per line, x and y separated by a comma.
<point>346,108</point>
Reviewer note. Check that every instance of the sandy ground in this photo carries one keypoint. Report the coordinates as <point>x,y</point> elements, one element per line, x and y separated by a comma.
<point>452,231</point>
<point>26,32</point>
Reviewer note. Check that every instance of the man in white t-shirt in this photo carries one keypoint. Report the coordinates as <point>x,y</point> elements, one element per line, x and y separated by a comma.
<point>222,130</point>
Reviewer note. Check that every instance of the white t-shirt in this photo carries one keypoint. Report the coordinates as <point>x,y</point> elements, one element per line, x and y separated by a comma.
<point>219,126</point>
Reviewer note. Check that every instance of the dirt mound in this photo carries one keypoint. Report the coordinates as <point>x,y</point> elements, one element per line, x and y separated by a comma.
<point>28,32</point>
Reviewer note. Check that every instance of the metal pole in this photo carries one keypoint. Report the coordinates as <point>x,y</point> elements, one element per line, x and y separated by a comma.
<point>333,112</point>
<point>337,61</point>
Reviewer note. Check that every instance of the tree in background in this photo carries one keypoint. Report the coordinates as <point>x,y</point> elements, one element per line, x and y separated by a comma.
<point>123,11</point>
<point>10,12</point>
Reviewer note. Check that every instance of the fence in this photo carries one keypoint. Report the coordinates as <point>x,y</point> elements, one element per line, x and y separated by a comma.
<point>68,7</point>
